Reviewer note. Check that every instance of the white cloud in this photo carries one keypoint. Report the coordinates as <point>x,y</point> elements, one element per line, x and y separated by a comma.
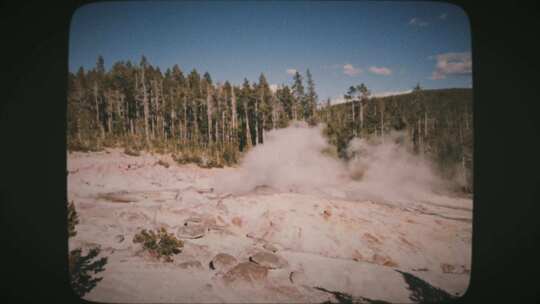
<point>452,64</point>
<point>274,87</point>
<point>417,22</point>
<point>380,70</point>
<point>349,69</point>
<point>442,16</point>
<point>291,71</point>
<point>390,93</point>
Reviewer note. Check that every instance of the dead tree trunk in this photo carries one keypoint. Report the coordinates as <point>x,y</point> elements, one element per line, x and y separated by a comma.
<point>248,131</point>
<point>109,104</point>
<point>209,114</point>
<point>145,107</point>
<point>381,108</point>
<point>361,116</point>
<point>353,118</point>
<point>425,124</point>
<point>96,92</point>
<point>234,118</point>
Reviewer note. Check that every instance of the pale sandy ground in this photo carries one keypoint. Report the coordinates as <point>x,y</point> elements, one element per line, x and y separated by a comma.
<point>326,239</point>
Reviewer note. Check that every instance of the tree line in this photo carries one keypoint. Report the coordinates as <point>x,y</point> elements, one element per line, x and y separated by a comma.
<point>137,107</point>
<point>435,123</point>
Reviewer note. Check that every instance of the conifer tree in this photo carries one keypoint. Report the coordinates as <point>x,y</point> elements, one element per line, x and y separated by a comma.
<point>299,96</point>
<point>311,96</point>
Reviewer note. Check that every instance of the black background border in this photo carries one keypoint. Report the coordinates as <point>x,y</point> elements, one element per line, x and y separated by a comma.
<point>32,144</point>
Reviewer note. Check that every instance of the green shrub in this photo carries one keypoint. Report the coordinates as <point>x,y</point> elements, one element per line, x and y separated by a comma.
<point>132,151</point>
<point>84,145</point>
<point>73,219</point>
<point>188,157</point>
<point>162,163</point>
<point>159,244</point>
<point>81,268</point>
<point>230,155</point>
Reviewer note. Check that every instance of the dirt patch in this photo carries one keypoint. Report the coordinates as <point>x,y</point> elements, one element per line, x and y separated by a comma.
<point>371,239</point>
<point>404,240</point>
<point>247,272</point>
<point>117,197</point>
<point>383,260</point>
<point>357,256</point>
<point>237,221</point>
<point>327,213</point>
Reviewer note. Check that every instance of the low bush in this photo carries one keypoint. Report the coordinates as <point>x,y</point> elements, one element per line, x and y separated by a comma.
<point>187,157</point>
<point>159,244</point>
<point>131,151</point>
<point>73,219</point>
<point>162,163</point>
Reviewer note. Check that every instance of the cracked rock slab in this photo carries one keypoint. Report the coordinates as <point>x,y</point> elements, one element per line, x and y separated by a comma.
<point>222,261</point>
<point>268,260</point>
<point>246,272</point>
<point>191,232</point>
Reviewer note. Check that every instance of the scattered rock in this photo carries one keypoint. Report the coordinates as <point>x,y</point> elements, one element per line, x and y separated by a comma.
<point>220,220</point>
<point>409,244</point>
<point>371,239</point>
<point>162,163</point>
<point>117,197</point>
<point>191,196</point>
<point>270,247</point>
<point>119,238</point>
<point>247,272</point>
<point>221,206</point>
<point>237,221</point>
<point>133,217</point>
<point>193,220</point>
<point>263,189</point>
<point>221,230</point>
<point>382,260</point>
<point>191,264</point>
<point>297,277</point>
<point>209,221</point>
<point>447,268</point>
<point>222,261</point>
<point>191,232</point>
<point>327,213</point>
<point>357,256</point>
<point>268,260</point>
<point>289,291</point>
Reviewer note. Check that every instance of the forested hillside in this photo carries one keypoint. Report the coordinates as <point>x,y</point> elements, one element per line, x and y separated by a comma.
<point>137,107</point>
<point>435,123</point>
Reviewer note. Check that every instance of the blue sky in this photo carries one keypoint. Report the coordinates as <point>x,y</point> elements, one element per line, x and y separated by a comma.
<point>388,45</point>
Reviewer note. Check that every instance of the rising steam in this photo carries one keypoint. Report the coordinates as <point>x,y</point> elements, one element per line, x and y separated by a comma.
<point>291,160</point>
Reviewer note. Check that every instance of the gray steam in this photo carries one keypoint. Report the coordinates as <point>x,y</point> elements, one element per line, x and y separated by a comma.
<point>291,160</point>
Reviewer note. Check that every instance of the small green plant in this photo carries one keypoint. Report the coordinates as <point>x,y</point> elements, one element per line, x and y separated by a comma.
<point>230,155</point>
<point>73,219</point>
<point>162,163</point>
<point>132,151</point>
<point>81,268</point>
<point>159,244</point>
<point>188,157</point>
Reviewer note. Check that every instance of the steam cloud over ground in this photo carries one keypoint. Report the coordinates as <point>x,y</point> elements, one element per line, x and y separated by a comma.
<point>292,160</point>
